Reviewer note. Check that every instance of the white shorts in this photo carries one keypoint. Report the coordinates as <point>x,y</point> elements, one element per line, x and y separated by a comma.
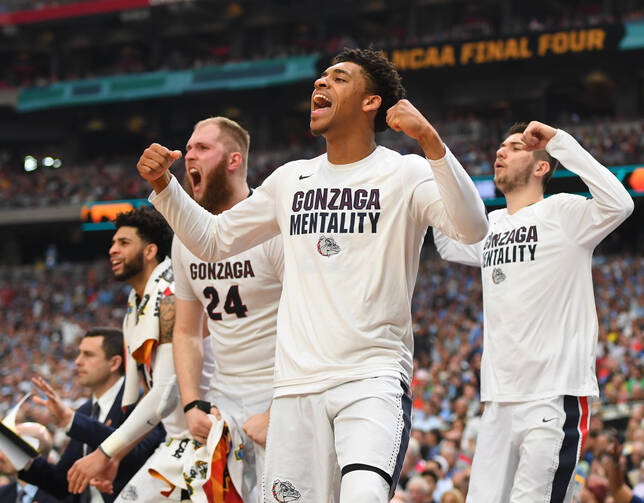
<point>144,488</point>
<point>315,439</point>
<point>240,408</point>
<point>527,452</point>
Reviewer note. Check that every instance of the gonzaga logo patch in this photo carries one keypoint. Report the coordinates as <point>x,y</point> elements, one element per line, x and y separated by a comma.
<point>129,493</point>
<point>327,246</point>
<point>284,491</point>
<point>497,275</point>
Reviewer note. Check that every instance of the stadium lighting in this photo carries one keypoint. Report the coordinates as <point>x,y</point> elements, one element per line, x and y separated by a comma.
<point>48,162</point>
<point>57,163</point>
<point>31,164</point>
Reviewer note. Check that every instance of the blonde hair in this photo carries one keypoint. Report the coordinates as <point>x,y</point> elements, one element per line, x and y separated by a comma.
<point>233,136</point>
<point>458,495</point>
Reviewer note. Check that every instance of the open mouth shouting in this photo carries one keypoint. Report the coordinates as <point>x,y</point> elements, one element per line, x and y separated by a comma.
<point>195,178</point>
<point>320,104</point>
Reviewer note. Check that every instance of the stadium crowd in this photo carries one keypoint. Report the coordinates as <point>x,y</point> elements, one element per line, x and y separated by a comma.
<point>48,306</point>
<point>612,143</point>
<point>386,28</point>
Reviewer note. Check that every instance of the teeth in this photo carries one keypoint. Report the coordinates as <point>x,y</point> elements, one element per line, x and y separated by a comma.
<point>319,99</point>
<point>192,171</point>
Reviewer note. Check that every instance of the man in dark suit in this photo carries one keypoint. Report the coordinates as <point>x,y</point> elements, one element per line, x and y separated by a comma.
<point>100,368</point>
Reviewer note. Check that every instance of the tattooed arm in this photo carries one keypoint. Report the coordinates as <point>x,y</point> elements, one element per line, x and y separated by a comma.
<point>166,319</point>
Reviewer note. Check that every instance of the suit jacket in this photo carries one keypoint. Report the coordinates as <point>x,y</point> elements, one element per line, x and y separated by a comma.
<point>9,493</point>
<point>85,430</point>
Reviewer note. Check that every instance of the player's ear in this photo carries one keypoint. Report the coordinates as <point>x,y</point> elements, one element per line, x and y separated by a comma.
<point>541,168</point>
<point>150,251</point>
<point>371,103</point>
<point>234,161</point>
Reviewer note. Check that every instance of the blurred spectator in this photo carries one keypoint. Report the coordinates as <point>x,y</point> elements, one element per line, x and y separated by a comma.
<point>452,496</point>
<point>611,143</point>
<point>410,463</point>
<point>419,490</point>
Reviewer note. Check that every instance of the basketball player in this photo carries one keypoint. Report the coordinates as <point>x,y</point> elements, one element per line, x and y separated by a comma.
<point>352,222</point>
<point>139,256</point>
<point>538,366</point>
<point>238,295</point>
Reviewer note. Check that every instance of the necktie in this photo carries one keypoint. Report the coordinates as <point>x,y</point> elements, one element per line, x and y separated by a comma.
<point>96,411</point>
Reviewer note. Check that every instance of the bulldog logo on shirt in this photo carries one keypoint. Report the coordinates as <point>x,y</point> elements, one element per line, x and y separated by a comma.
<point>497,275</point>
<point>129,493</point>
<point>327,246</point>
<point>284,491</point>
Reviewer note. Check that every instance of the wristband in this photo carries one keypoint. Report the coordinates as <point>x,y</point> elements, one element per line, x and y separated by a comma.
<point>113,444</point>
<point>200,404</point>
<point>100,448</point>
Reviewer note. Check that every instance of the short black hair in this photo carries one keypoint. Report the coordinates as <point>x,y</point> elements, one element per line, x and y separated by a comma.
<point>150,226</point>
<point>382,78</point>
<point>112,343</point>
<point>430,473</point>
<point>539,155</point>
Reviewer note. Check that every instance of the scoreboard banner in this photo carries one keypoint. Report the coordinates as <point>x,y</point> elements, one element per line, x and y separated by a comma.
<point>100,215</point>
<point>531,46</point>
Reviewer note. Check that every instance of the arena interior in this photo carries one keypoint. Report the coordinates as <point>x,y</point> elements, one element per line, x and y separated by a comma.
<point>85,86</point>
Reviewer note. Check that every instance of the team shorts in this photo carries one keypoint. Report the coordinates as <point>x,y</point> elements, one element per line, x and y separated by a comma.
<point>527,452</point>
<point>315,439</point>
<point>144,488</point>
<point>240,407</point>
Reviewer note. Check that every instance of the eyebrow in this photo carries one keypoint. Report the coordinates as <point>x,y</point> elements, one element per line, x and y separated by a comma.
<point>198,144</point>
<point>337,70</point>
<point>513,143</point>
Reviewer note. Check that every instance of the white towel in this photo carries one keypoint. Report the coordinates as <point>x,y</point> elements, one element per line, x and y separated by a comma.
<point>188,465</point>
<point>141,327</point>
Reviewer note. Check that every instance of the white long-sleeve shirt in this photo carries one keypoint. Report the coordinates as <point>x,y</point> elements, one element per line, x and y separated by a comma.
<point>352,236</point>
<point>540,323</point>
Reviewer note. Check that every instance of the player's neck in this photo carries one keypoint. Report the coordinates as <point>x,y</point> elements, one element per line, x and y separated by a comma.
<point>520,198</point>
<point>343,149</point>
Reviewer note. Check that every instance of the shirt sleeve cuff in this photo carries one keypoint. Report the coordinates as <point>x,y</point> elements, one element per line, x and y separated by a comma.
<point>557,141</point>
<point>69,425</point>
<point>154,196</point>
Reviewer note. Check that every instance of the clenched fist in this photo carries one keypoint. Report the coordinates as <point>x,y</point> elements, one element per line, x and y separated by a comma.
<point>405,117</point>
<point>537,135</point>
<point>154,163</point>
